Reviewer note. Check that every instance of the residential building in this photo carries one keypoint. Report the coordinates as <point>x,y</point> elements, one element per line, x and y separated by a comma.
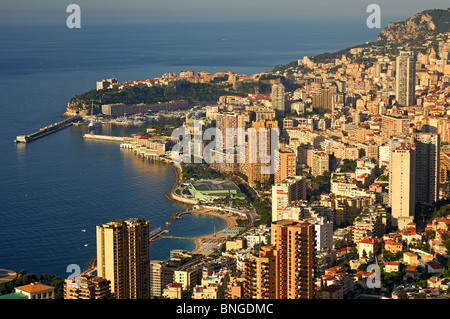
<point>405,79</point>
<point>320,162</point>
<point>402,184</point>
<point>123,257</point>
<point>87,287</point>
<point>36,290</point>
<point>283,270</point>
<point>287,165</point>
<point>278,97</point>
<point>290,189</point>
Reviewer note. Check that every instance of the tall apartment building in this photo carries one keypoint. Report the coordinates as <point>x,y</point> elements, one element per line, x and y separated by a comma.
<point>295,245</point>
<point>427,166</point>
<point>402,184</point>
<point>255,169</point>
<point>230,120</point>
<point>278,97</point>
<point>87,287</point>
<point>325,98</point>
<point>287,165</point>
<point>283,270</point>
<point>320,162</point>
<point>425,157</point>
<point>405,78</point>
<point>260,274</point>
<point>290,189</point>
<point>123,257</point>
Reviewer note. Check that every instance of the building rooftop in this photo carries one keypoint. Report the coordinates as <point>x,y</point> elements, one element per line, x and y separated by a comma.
<point>34,287</point>
<point>14,295</point>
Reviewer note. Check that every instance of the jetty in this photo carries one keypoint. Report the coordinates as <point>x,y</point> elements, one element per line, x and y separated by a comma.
<point>47,130</point>
<point>103,137</point>
<point>177,215</point>
<point>154,235</point>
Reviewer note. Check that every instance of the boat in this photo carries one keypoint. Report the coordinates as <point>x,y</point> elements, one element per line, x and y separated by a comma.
<point>83,230</point>
<point>94,122</point>
<point>168,224</point>
<point>85,245</point>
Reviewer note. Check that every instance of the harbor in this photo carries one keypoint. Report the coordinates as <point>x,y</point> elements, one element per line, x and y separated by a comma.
<point>47,130</point>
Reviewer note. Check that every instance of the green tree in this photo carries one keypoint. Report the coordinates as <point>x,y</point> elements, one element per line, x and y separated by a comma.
<point>402,294</point>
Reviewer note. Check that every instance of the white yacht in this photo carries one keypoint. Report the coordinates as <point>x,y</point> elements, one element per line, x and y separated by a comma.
<point>93,122</point>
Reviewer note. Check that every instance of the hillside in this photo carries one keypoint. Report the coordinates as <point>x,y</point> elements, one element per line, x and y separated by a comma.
<point>413,31</point>
<point>419,26</point>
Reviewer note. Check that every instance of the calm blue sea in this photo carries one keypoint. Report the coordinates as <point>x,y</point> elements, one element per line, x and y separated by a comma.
<point>56,186</point>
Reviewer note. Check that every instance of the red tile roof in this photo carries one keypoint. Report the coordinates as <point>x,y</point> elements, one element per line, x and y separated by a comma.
<point>34,287</point>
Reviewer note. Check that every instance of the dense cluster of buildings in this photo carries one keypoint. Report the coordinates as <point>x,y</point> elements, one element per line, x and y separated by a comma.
<point>362,149</point>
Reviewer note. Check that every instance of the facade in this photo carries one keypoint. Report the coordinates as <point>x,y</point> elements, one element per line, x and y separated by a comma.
<point>320,162</point>
<point>278,97</point>
<point>324,234</point>
<point>367,225</point>
<point>291,189</point>
<point>88,287</point>
<point>394,124</point>
<point>260,275</point>
<point>283,270</point>
<point>36,290</point>
<point>123,257</point>
<point>230,120</point>
<point>427,146</point>
<point>256,170</point>
<point>173,291</point>
<point>287,165</point>
<point>402,184</point>
<point>405,78</point>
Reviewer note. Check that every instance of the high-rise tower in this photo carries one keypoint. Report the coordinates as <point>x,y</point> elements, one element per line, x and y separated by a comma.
<point>405,78</point>
<point>123,257</point>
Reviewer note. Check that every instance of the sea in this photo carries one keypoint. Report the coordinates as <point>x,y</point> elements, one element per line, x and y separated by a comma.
<point>55,187</point>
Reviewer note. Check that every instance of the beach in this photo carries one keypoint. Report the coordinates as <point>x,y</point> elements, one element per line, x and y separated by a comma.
<point>204,244</point>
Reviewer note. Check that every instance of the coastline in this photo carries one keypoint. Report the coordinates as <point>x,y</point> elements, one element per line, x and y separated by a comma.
<point>178,178</point>
<point>219,236</point>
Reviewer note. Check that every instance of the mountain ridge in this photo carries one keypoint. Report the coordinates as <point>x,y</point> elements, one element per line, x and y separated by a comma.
<point>412,31</point>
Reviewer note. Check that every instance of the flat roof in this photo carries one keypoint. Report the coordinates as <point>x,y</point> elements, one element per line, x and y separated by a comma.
<point>14,295</point>
<point>214,185</point>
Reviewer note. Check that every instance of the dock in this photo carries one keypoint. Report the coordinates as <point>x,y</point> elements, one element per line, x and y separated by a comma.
<point>156,234</point>
<point>47,130</point>
<point>103,137</point>
<point>178,237</point>
<point>177,215</point>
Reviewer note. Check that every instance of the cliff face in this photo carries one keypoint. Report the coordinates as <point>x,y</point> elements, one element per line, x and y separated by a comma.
<point>418,27</point>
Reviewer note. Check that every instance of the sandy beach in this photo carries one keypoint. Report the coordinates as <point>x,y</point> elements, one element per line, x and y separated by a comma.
<point>204,244</point>
<point>201,242</point>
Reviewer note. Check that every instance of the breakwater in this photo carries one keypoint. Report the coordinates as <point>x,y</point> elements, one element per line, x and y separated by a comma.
<point>47,130</point>
<point>103,137</point>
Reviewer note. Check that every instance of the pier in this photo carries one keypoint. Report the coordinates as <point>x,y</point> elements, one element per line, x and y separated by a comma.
<point>178,237</point>
<point>177,215</point>
<point>47,130</point>
<point>103,137</point>
<point>156,234</point>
